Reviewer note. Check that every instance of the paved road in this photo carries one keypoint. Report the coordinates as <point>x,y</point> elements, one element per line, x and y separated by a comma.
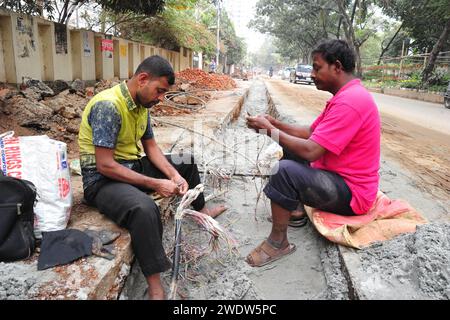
<point>429,115</point>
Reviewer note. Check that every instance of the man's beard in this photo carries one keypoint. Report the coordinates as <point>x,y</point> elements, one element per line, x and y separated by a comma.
<point>145,105</point>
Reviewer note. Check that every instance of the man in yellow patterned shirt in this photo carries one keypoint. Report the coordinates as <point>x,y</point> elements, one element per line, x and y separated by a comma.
<point>116,176</point>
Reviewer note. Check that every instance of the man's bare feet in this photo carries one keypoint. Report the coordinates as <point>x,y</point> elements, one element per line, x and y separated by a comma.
<point>214,212</point>
<point>156,295</point>
<point>155,289</point>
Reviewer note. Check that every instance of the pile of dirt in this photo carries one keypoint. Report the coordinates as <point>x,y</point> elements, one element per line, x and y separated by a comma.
<point>163,110</point>
<point>35,109</point>
<point>200,79</point>
<point>418,263</point>
<point>105,84</point>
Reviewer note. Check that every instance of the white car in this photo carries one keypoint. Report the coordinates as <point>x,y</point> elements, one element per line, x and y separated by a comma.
<point>301,73</point>
<point>286,73</point>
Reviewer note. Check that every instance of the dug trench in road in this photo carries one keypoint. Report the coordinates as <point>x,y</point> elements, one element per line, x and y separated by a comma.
<point>414,167</point>
<point>312,272</point>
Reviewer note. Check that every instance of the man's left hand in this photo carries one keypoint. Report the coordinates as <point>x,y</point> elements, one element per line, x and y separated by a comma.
<point>182,184</point>
<point>258,123</point>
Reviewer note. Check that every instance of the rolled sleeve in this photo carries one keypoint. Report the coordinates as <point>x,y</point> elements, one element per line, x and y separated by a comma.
<point>105,121</point>
<point>148,134</point>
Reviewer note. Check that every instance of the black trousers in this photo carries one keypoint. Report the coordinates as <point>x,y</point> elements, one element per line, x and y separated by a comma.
<point>131,208</point>
<point>296,183</point>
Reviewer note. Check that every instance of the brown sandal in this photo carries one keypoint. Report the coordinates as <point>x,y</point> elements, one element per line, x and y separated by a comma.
<point>265,253</point>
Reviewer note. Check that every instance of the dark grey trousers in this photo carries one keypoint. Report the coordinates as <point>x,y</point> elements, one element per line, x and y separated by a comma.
<point>131,208</point>
<point>296,183</point>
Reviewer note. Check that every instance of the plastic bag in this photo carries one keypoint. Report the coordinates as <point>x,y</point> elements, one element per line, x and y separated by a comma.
<point>42,161</point>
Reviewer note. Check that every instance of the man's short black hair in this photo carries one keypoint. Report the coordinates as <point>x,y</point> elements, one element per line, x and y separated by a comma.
<point>333,50</point>
<point>157,67</point>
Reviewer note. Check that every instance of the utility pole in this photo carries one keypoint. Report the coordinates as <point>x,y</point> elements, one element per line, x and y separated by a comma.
<point>218,33</point>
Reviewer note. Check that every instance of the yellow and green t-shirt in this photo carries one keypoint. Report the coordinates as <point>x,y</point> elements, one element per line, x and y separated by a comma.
<point>112,120</point>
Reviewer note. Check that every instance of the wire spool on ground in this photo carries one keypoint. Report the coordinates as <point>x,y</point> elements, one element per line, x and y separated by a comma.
<point>171,95</point>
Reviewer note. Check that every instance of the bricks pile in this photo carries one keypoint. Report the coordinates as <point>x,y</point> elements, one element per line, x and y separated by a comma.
<point>200,79</point>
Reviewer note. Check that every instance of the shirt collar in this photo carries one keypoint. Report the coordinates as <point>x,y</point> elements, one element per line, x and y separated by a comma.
<point>131,105</point>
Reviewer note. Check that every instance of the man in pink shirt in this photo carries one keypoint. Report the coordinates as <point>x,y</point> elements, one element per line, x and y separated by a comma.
<point>333,164</point>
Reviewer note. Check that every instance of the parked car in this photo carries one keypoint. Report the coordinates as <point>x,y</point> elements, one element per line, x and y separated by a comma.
<point>301,73</point>
<point>447,97</point>
<point>286,73</point>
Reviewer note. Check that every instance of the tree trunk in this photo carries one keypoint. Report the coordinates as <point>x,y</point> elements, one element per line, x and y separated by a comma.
<point>358,62</point>
<point>434,54</point>
<point>384,50</point>
<point>349,32</point>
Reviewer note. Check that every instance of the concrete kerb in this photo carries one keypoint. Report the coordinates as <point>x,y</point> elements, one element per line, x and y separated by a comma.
<point>411,94</point>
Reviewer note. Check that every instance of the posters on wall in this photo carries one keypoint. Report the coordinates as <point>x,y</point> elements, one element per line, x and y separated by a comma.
<point>60,38</point>
<point>123,50</point>
<point>107,46</point>
<point>86,46</point>
<point>25,37</point>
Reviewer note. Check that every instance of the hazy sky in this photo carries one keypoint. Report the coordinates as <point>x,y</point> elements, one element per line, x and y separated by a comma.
<point>241,12</point>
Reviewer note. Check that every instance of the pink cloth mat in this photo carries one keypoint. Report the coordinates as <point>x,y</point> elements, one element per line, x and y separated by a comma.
<point>386,219</point>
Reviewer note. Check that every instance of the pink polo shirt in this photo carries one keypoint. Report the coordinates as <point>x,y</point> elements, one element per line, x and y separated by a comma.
<point>349,128</point>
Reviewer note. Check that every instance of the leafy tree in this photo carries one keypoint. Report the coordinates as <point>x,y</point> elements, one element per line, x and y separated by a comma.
<point>428,23</point>
<point>298,25</point>
<point>30,7</point>
<point>301,24</point>
<point>171,29</point>
<point>65,8</point>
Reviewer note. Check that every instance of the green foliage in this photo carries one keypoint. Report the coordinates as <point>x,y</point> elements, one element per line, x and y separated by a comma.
<point>144,7</point>
<point>171,29</point>
<point>29,7</point>
<point>65,8</point>
<point>191,24</point>
<point>439,78</point>
<point>300,25</point>
<point>423,19</point>
<point>373,79</point>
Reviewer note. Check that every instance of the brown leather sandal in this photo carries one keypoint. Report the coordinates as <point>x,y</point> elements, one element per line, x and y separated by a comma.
<point>265,253</point>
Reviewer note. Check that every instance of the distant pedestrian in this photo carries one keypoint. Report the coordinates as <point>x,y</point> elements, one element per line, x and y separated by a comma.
<point>212,67</point>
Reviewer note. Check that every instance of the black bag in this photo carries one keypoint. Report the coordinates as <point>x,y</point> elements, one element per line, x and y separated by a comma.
<point>17,199</point>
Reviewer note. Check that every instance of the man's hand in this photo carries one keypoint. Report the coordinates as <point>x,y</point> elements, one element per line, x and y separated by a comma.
<point>271,119</point>
<point>167,188</point>
<point>259,122</point>
<point>182,184</point>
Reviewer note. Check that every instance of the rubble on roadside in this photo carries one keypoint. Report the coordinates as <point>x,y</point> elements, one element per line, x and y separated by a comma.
<point>36,106</point>
<point>199,79</point>
<point>55,108</point>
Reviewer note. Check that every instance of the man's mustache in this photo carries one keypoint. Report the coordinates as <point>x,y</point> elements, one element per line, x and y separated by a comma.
<point>151,104</point>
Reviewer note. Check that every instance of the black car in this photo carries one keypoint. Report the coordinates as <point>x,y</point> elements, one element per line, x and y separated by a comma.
<point>447,97</point>
<point>302,72</point>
